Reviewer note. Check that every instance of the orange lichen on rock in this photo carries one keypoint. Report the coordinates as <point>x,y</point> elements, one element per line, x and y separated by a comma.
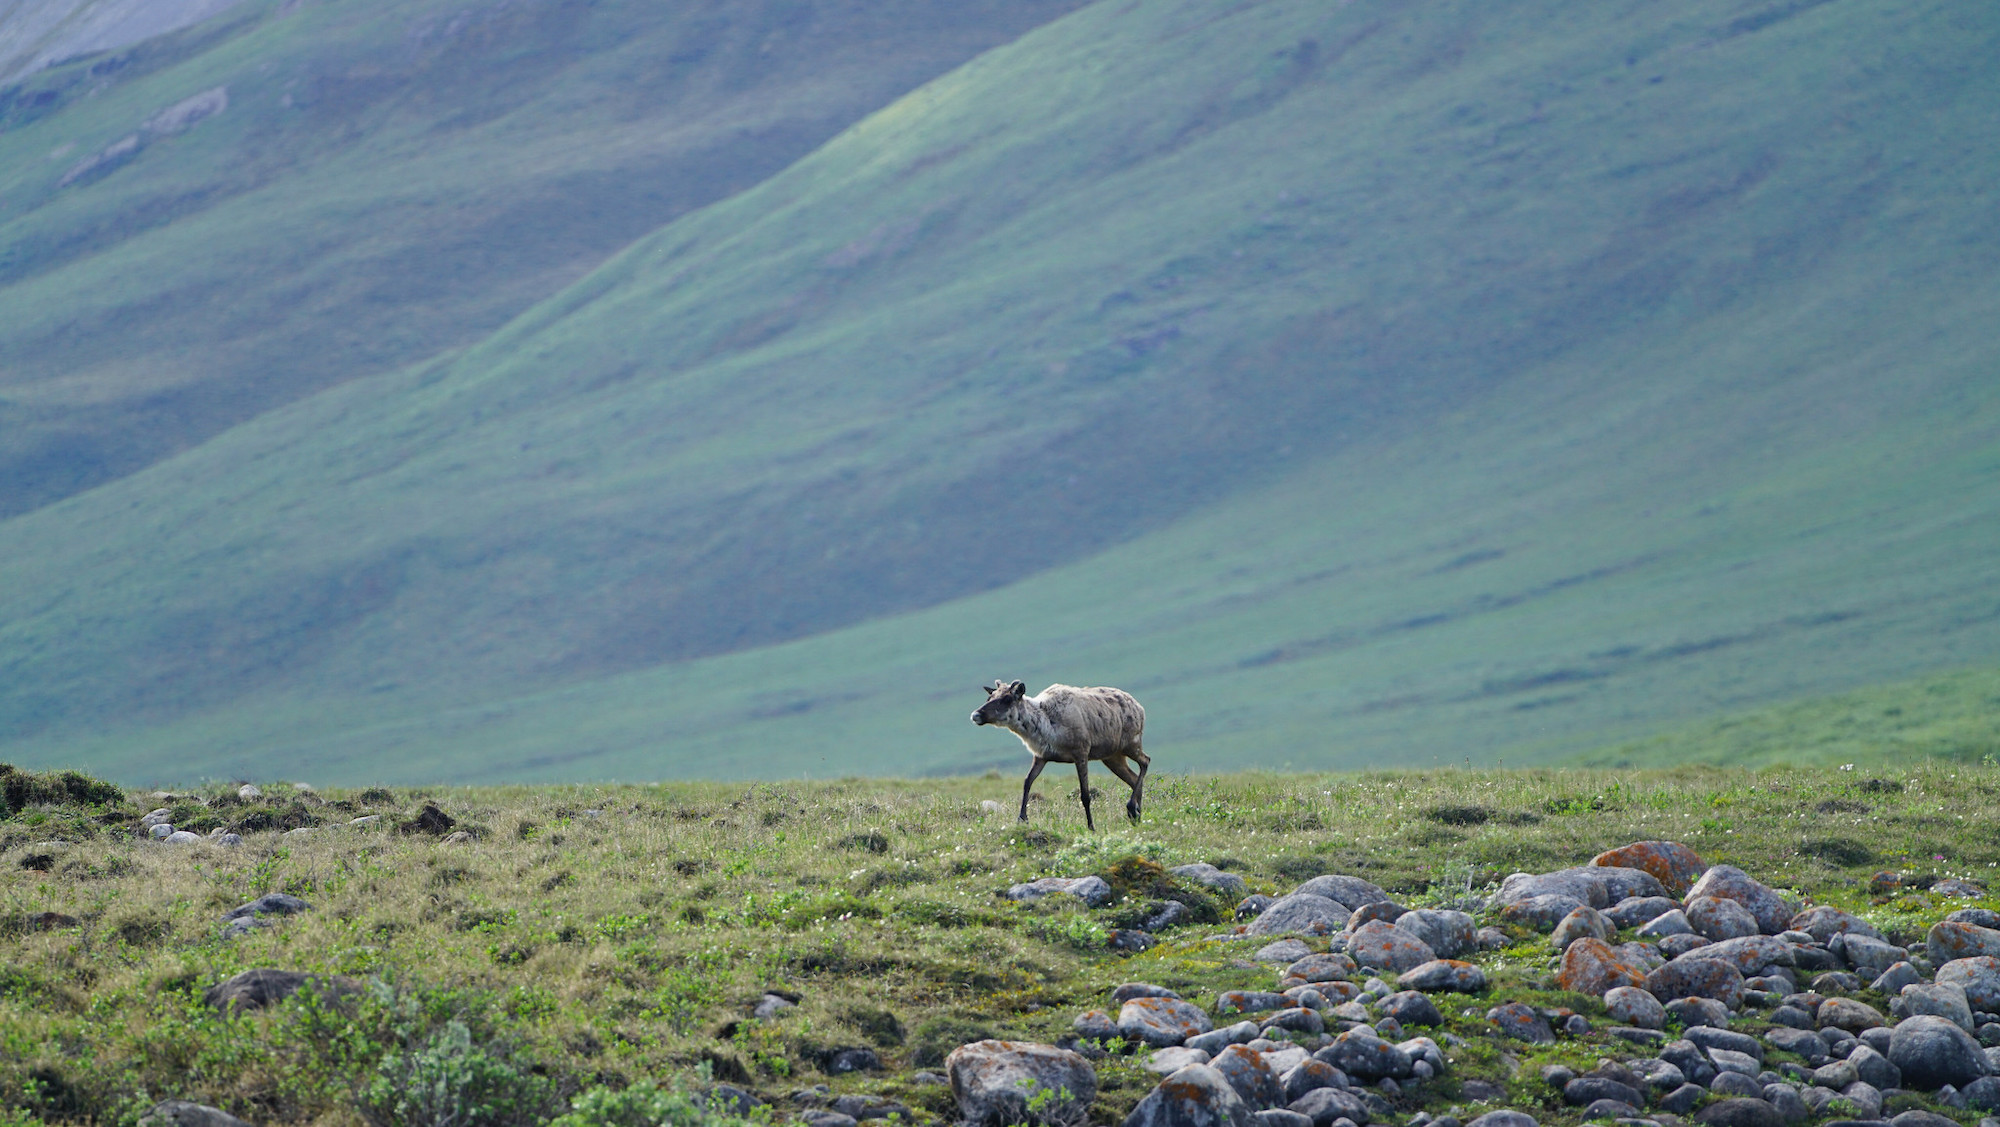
<point>1592,966</point>
<point>1669,862</point>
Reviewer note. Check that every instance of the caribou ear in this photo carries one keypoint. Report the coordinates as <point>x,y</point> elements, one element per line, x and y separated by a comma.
<point>1020,690</point>
<point>987,689</point>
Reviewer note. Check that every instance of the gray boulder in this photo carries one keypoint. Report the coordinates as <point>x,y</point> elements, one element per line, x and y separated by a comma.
<point>1505,1117</point>
<point>1823,923</point>
<point>993,1082</point>
<point>1636,910</point>
<point>1773,912</point>
<point>1741,1111</point>
<point>1719,918</point>
<point>1208,876</point>
<point>1450,934</point>
<point>1378,944</point>
<point>1326,1106</point>
<point>1248,1073</point>
<point>186,1113</point>
<point>1092,890</point>
<point>1665,924</point>
<point>1349,892</point>
<point>1303,912</point>
<point>1285,1117</point>
<point>1933,1052</point>
<point>269,904</point>
<point>267,986</point>
<point>1953,939</point>
<point>1196,1096</point>
<point>1946,1000</point>
<point>1979,977</point>
<point>1366,1057</point>
<point>1161,1022</point>
<point>1711,1038</point>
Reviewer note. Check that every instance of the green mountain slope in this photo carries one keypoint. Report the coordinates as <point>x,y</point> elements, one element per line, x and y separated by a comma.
<point>204,225</point>
<point>1356,384</point>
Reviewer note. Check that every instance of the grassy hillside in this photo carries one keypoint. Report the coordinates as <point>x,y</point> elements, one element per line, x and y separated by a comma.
<point>1357,387</point>
<point>600,936</point>
<point>376,184</point>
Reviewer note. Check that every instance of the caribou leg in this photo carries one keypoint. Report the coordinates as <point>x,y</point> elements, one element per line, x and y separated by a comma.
<point>1028,784</point>
<point>1083,790</point>
<point>1119,767</point>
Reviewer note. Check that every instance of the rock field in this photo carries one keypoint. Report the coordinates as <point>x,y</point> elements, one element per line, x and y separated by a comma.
<point>1728,1005</point>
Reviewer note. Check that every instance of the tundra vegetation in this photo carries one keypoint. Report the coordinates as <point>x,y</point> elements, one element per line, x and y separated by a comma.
<point>527,952</point>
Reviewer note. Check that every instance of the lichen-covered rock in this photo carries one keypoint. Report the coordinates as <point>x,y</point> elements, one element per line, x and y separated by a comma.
<point>1411,1007</point>
<point>1892,981</point>
<point>1952,940</point>
<point>1719,918</point>
<point>1692,977</point>
<point>1283,951</point>
<point>1364,1056</point>
<point>1161,1022</point>
<point>1448,933</point>
<point>1802,1042</point>
<point>1592,966</point>
<point>1823,923</point>
<point>1865,953</point>
<point>1092,890</point>
<point>1665,924</point>
<point>1322,968</point>
<point>1541,912</point>
<point>1298,1019</point>
<point>1196,1096</point>
<point>1979,977</point>
<point>995,1082</point>
<point>1250,1001</point>
<point>1090,1025</point>
<point>1443,975</point>
<point>1740,1111</point>
<point>1302,912</point>
<point>1582,923</point>
<point>1247,1072</point>
<point>1327,1106</point>
<point>1126,991</point>
<point>1773,912</point>
<point>1946,1000</point>
<point>1595,885</point>
<point>1636,910</point>
<point>1208,876</point>
<point>1505,1117</point>
<point>1521,1022</point>
<point>1634,1006</point>
<point>1674,865</point>
<point>1932,1052</point>
<point>1216,1040</point>
<point>187,1113</point>
<point>1309,1075</point>
<point>1166,1062</point>
<point>1848,1014</point>
<point>1748,954</point>
<point>1349,892</point>
<point>1389,947</point>
<point>1692,1012</point>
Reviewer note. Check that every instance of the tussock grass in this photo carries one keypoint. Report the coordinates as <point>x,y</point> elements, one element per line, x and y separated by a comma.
<point>600,936</point>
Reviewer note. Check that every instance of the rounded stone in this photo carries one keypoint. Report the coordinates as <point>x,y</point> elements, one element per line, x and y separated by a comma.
<point>1385,945</point>
<point>1742,1111</point>
<point>1248,1073</point>
<point>1521,1022</point>
<point>1208,876</point>
<point>1952,939</point>
<point>1848,1014</point>
<point>1979,977</point>
<point>1302,912</point>
<point>1592,966</point>
<point>1693,977</point>
<point>1933,1052</point>
<point>1327,1106</point>
<point>1773,912</point>
<point>1321,968</point>
<point>1161,1022</point>
<point>1674,865</point>
<point>1349,892</point>
<point>994,1083</point>
<point>1718,918</point>
<point>1443,975</point>
<point>1633,1005</point>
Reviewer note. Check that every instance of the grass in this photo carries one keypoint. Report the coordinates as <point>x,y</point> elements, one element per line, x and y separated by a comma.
<point>1359,389</point>
<point>588,938</point>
